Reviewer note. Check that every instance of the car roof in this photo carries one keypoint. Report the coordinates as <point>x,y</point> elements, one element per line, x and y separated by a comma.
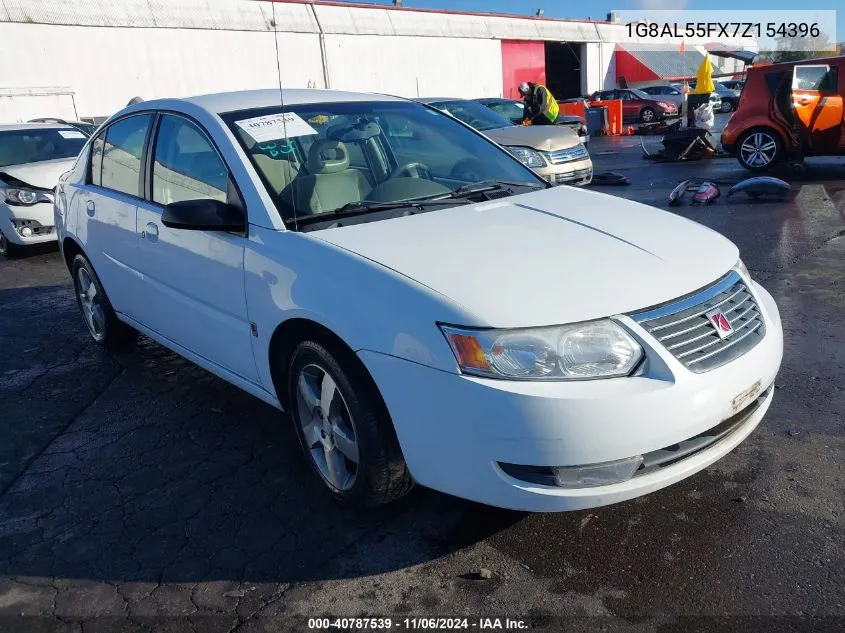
<point>13,127</point>
<point>247,99</point>
<point>430,100</point>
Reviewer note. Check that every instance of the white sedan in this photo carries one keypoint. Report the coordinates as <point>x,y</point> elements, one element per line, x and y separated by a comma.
<point>32,157</point>
<point>425,307</point>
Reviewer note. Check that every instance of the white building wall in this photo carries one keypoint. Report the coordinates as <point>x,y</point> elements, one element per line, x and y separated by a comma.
<point>415,66</point>
<point>107,51</point>
<point>105,67</point>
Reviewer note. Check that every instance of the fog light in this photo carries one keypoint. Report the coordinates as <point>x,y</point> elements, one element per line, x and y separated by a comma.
<point>597,474</point>
<point>26,231</point>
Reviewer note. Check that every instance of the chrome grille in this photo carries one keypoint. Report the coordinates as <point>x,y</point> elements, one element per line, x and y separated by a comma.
<point>573,176</point>
<point>683,328</point>
<point>565,155</point>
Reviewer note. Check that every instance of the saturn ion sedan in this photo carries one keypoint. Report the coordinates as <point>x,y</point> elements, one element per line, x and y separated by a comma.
<point>425,307</point>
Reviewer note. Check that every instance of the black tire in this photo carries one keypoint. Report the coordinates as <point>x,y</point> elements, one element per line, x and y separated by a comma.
<point>112,333</point>
<point>8,249</point>
<point>648,115</point>
<point>727,106</point>
<point>762,137</point>
<point>381,475</point>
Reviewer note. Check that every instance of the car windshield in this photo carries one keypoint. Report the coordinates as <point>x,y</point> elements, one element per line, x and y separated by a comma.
<point>640,94</point>
<point>330,158</point>
<point>18,147</point>
<point>474,114</point>
<point>511,110</point>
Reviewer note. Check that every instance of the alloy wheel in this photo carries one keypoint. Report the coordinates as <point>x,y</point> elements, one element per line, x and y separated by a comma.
<point>758,149</point>
<point>648,115</point>
<point>328,430</point>
<point>91,303</point>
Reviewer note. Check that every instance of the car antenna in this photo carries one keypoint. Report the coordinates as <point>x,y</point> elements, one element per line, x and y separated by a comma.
<point>282,102</point>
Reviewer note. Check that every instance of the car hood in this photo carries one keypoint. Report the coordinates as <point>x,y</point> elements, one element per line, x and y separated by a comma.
<point>43,174</point>
<point>554,256</point>
<point>545,138</point>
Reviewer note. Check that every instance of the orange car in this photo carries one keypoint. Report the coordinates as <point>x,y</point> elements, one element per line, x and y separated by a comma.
<point>790,109</point>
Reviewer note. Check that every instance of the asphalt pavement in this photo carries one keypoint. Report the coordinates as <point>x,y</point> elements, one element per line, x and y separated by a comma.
<point>140,493</point>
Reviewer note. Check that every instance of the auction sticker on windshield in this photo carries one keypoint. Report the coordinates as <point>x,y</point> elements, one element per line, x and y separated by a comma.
<point>272,127</point>
<point>71,134</point>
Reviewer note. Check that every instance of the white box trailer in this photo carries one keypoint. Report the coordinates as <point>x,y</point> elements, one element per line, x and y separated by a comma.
<point>18,105</point>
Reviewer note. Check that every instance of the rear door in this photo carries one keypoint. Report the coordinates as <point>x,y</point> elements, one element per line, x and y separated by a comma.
<point>630,104</point>
<point>193,280</point>
<point>817,103</point>
<point>108,207</point>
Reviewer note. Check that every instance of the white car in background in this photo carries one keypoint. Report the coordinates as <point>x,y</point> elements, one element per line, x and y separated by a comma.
<point>426,308</point>
<point>32,157</point>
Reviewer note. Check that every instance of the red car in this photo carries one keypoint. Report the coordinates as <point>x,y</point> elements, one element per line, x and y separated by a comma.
<point>638,105</point>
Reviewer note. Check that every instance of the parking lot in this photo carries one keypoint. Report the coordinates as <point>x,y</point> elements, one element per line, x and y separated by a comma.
<point>140,492</point>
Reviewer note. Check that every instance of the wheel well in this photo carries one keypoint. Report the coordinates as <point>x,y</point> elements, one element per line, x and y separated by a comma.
<point>70,249</point>
<point>288,335</point>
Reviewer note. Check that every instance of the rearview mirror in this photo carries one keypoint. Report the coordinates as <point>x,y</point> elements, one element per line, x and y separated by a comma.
<point>203,215</point>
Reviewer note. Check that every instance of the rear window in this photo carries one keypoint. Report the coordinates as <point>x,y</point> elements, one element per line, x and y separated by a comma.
<point>18,147</point>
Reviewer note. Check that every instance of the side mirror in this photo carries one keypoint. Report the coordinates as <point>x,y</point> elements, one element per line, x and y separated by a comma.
<point>203,215</point>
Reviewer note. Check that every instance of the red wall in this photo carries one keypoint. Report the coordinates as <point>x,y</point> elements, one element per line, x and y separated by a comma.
<point>521,61</point>
<point>631,68</point>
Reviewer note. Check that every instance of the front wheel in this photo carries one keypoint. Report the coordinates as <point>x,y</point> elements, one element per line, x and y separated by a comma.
<point>100,318</point>
<point>344,427</point>
<point>759,149</point>
<point>647,115</point>
<point>727,106</point>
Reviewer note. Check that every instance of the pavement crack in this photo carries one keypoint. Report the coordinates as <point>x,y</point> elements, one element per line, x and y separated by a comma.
<point>85,406</point>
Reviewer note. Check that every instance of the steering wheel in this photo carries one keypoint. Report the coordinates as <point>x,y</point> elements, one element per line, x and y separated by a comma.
<point>477,124</point>
<point>412,170</point>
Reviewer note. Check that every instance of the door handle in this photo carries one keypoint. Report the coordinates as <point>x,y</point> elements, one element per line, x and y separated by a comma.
<point>803,101</point>
<point>151,231</point>
<point>90,208</point>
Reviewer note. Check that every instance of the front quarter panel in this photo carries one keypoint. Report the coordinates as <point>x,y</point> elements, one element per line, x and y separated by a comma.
<point>370,307</point>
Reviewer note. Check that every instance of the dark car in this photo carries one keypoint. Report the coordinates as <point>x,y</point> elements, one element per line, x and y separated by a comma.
<point>513,110</point>
<point>729,97</point>
<point>87,128</point>
<point>733,84</point>
<point>638,105</point>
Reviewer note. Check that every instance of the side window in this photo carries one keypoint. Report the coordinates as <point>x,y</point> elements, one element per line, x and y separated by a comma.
<point>121,157</point>
<point>186,165</point>
<point>821,78</point>
<point>97,160</point>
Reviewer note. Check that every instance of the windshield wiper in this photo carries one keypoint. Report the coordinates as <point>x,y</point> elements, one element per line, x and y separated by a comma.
<point>361,207</point>
<point>464,191</point>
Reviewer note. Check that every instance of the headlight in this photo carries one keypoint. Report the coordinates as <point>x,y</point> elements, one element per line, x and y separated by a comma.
<point>26,197</point>
<point>595,349</point>
<point>742,270</point>
<point>527,156</point>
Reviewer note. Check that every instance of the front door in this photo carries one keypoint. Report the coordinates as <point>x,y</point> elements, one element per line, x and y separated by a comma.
<point>193,280</point>
<point>817,104</point>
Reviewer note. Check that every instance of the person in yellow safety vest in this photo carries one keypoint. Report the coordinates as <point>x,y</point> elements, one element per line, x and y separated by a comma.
<point>540,105</point>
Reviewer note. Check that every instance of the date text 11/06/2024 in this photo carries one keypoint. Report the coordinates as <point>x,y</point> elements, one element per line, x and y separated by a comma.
<point>750,30</point>
<point>417,624</point>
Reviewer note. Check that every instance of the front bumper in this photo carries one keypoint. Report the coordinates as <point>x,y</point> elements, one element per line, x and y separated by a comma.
<point>38,217</point>
<point>576,172</point>
<point>457,430</point>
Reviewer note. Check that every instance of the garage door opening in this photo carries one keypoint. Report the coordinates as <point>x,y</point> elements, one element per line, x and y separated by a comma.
<point>563,69</point>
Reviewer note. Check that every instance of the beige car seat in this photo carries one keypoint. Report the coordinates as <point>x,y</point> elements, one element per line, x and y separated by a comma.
<point>278,172</point>
<point>327,183</point>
